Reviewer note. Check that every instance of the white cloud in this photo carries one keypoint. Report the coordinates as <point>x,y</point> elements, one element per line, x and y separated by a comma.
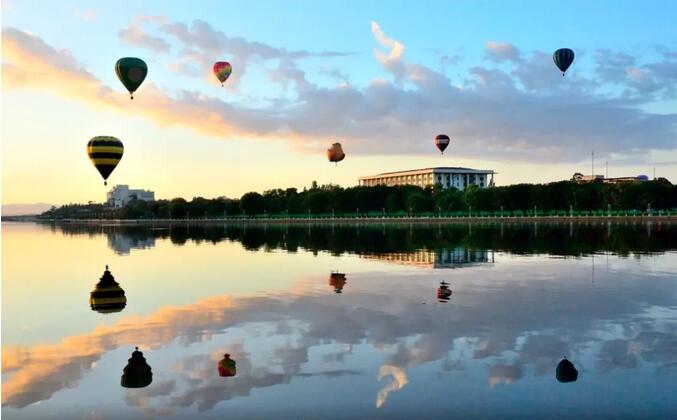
<point>500,51</point>
<point>530,113</point>
<point>396,47</point>
<point>399,380</point>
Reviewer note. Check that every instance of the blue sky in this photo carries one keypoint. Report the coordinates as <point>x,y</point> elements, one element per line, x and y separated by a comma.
<point>480,71</point>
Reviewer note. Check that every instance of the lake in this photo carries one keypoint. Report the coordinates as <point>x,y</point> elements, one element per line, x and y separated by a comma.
<point>377,321</point>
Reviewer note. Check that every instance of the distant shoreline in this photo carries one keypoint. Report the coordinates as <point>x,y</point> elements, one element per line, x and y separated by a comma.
<point>345,220</point>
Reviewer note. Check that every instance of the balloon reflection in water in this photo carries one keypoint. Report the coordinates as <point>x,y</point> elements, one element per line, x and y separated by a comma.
<point>226,366</point>
<point>107,295</point>
<point>137,373</point>
<point>337,281</point>
<point>443,292</point>
<point>566,372</point>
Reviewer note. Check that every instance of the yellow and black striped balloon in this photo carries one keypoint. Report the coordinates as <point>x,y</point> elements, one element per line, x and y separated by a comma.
<point>107,296</point>
<point>105,153</point>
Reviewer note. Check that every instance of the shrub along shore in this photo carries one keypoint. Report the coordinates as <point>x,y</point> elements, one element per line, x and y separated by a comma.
<point>564,199</point>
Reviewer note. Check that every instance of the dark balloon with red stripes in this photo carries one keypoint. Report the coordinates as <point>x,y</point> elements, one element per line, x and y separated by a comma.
<point>442,141</point>
<point>563,59</point>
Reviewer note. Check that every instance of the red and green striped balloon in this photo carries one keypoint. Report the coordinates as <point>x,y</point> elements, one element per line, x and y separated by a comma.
<point>222,70</point>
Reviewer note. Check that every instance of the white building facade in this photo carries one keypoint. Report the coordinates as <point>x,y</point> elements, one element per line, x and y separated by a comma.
<point>121,195</point>
<point>444,177</point>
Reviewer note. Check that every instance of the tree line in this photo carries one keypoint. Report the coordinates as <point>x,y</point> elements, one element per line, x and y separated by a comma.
<point>571,239</point>
<point>520,199</point>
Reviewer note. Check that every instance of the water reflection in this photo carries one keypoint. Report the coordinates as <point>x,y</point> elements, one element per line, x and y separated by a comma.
<point>226,366</point>
<point>443,292</point>
<point>439,258</point>
<point>337,281</point>
<point>137,373</point>
<point>377,347</point>
<point>450,245</point>
<point>566,372</point>
<point>491,324</point>
<point>123,242</point>
<point>107,296</point>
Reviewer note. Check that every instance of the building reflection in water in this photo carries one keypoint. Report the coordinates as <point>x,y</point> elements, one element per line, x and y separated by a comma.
<point>137,373</point>
<point>123,243</point>
<point>443,292</point>
<point>566,372</point>
<point>107,295</point>
<point>441,258</point>
<point>337,281</point>
<point>226,366</point>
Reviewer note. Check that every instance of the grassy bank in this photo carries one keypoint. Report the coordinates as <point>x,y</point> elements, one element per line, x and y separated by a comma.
<point>314,219</point>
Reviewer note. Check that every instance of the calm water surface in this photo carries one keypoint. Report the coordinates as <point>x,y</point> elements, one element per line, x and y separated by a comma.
<point>374,341</point>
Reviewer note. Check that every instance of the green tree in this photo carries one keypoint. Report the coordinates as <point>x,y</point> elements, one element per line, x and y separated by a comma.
<point>252,203</point>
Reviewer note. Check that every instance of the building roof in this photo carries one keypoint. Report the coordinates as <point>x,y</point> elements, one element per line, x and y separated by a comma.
<point>435,169</point>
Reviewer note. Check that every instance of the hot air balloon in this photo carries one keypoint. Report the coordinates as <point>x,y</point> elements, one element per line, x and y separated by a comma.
<point>443,292</point>
<point>107,296</point>
<point>335,153</point>
<point>563,59</point>
<point>222,70</point>
<point>442,141</point>
<point>131,71</point>
<point>226,366</point>
<point>137,373</point>
<point>566,372</point>
<point>337,281</point>
<point>105,153</point>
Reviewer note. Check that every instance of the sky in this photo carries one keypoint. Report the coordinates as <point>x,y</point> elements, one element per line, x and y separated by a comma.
<point>382,78</point>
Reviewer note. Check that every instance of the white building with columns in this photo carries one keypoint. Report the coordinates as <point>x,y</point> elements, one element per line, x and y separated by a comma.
<point>444,177</point>
<point>121,195</point>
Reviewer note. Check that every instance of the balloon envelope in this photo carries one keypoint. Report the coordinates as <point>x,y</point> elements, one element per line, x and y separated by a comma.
<point>222,70</point>
<point>337,281</point>
<point>563,59</point>
<point>137,373</point>
<point>444,292</point>
<point>107,296</point>
<point>442,141</point>
<point>227,366</point>
<point>335,153</point>
<point>566,372</point>
<point>105,152</point>
<point>131,71</point>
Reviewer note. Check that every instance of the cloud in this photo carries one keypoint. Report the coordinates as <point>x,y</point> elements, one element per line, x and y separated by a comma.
<point>398,381</point>
<point>502,51</point>
<point>500,373</point>
<point>638,80</point>
<point>396,47</point>
<point>200,43</point>
<point>87,15</point>
<point>528,113</point>
<point>536,325</point>
<point>135,35</point>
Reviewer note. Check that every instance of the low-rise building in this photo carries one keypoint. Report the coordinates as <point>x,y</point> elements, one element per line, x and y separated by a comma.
<point>121,195</point>
<point>444,177</point>
<point>582,179</point>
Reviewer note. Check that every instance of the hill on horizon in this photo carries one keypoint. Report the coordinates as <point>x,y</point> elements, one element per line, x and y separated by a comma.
<point>26,209</point>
